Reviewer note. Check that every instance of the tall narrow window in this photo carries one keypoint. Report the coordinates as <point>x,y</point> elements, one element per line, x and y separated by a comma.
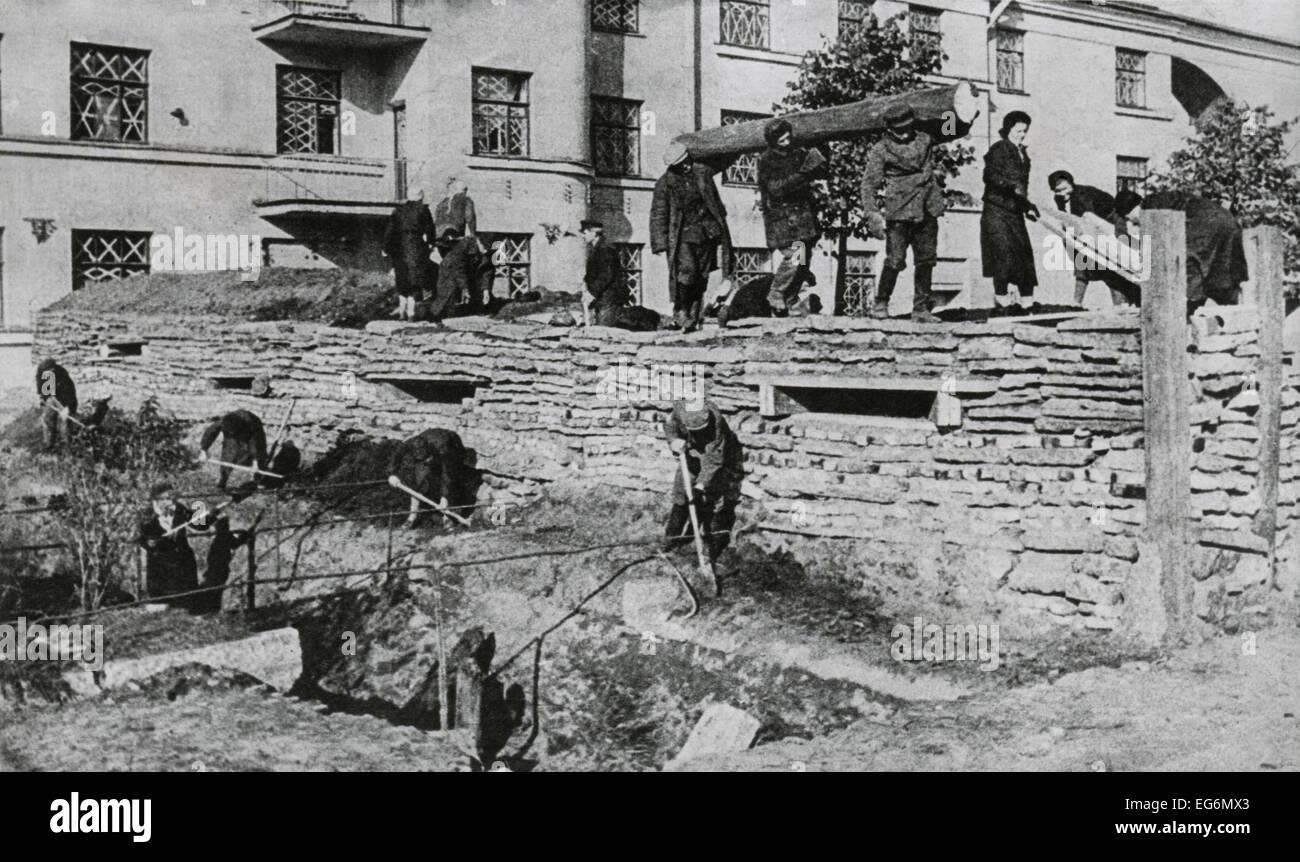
<point>307,110</point>
<point>1130,174</point>
<point>616,136</point>
<point>924,26</point>
<point>106,255</point>
<point>1011,60</point>
<point>751,264</point>
<point>745,23</point>
<point>854,15</point>
<point>500,113</point>
<point>110,94</point>
<point>512,257</point>
<point>614,16</point>
<point>629,260</point>
<point>1130,78</point>
<point>743,171</point>
<point>859,282</point>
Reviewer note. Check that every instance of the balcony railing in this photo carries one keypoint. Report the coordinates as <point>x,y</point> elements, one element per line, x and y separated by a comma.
<point>334,23</point>
<point>307,184</point>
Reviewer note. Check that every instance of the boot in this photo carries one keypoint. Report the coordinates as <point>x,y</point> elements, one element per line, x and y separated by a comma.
<point>884,290</point>
<point>921,302</point>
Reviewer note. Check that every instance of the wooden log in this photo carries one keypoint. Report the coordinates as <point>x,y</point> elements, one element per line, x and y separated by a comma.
<point>1079,235</point>
<point>958,101</point>
<point>1264,248</point>
<point>1167,417</point>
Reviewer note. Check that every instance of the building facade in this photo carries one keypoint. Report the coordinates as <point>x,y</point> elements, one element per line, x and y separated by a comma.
<point>298,124</point>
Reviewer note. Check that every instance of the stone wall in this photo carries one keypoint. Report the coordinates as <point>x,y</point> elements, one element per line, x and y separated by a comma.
<point>1036,497</point>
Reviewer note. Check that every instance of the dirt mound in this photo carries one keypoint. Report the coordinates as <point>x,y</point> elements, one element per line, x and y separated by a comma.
<point>338,297</point>
<point>24,432</point>
<point>546,301</point>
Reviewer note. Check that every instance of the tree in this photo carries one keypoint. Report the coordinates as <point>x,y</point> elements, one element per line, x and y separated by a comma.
<point>876,59</point>
<point>1238,157</point>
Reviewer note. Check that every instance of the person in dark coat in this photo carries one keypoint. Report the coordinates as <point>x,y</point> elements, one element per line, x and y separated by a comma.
<point>455,222</point>
<point>689,223</point>
<point>604,276</point>
<point>243,442</point>
<point>221,553</point>
<point>1004,240</point>
<point>169,560</point>
<point>903,160</point>
<point>1079,200</point>
<point>785,191</point>
<point>715,462</point>
<point>57,395</point>
<point>435,463</point>
<point>1216,258</point>
<point>408,239</point>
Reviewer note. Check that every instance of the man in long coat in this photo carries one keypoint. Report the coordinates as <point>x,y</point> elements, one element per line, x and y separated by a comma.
<point>689,223</point>
<point>408,240</point>
<point>785,177</point>
<point>903,161</point>
<point>604,276</point>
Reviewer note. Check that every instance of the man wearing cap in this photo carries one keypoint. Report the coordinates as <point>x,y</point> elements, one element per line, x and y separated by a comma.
<point>903,161</point>
<point>604,276</point>
<point>715,461</point>
<point>785,192</point>
<point>689,223</point>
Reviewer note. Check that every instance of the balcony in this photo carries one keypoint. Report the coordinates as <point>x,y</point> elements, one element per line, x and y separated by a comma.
<point>313,186</point>
<point>358,24</point>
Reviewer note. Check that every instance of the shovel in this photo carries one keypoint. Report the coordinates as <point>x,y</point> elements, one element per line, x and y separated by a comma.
<point>706,568</point>
<point>397,483</point>
<point>203,457</point>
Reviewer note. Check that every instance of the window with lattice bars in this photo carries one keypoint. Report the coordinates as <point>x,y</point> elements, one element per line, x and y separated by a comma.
<point>1130,78</point>
<point>1130,173</point>
<point>854,16</point>
<point>110,94</point>
<point>1011,60</point>
<point>107,255</point>
<point>745,23</point>
<point>307,110</point>
<point>923,25</point>
<point>751,264</point>
<point>629,261</point>
<point>616,16</point>
<point>743,171</point>
<point>512,257</point>
<point>616,136</point>
<point>500,113</point>
<point>859,283</point>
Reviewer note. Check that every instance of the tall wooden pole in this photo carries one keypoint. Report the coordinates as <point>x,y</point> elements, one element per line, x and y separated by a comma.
<point>1265,247</point>
<point>1167,415</point>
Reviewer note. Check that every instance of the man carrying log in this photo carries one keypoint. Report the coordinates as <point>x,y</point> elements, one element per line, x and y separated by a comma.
<point>903,161</point>
<point>689,223</point>
<point>785,177</point>
<point>715,463</point>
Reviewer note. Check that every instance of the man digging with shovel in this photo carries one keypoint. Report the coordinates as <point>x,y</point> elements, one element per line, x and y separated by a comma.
<point>707,484</point>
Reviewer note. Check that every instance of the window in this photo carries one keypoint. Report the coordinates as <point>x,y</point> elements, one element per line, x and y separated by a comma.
<point>500,113</point>
<point>614,16</point>
<point>512,256</point>
<point>629,260</point>
<point>854,15</point>
<point>1011,60</point>
<point>110,94</point>
<point>859,283</point>
<point>1130,78</point>
<point>752,264</point>
<point>105,255</point>
<point>744,171</point>
<point>307,110</point>
<point>1130,174</point>
<point>616,136</point>
<point>745,23</point>
<point>924,26</point>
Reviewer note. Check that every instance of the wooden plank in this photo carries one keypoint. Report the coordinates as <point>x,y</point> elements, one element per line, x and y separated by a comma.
<point>836,123</point>
<point>1166,416</point>
<point>722,729</point>
<point>1265,247</point>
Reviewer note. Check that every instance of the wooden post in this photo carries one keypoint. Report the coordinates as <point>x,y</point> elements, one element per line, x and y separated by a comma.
<point>250,581</point>
<point>1265,247</point>
<point>1166,415</point>
<point>141,588</point>
<point>278,539</point>
<point>469,702</point>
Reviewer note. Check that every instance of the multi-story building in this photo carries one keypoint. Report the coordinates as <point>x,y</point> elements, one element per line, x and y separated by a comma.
<point>300,123</point>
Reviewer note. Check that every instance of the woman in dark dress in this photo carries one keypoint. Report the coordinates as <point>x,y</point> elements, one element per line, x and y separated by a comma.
<point>1004,240</point>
